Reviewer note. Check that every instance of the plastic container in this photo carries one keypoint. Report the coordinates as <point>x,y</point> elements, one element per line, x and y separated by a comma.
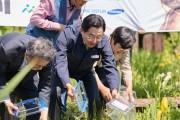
<point>121,109</point>
<point>29,107</point>
<point>81,97</point>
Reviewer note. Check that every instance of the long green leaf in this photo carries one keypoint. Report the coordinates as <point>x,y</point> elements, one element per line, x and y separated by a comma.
<point>16,80</point>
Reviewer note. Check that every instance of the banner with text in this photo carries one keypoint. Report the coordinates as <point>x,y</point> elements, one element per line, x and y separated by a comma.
<point>150,15</point>
<point>16,12</point>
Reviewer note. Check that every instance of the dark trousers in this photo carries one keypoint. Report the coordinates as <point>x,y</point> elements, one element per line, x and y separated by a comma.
<point>102,77</point>
<point>55,106</point>
<point>57,96</point>
<point>95,104</point>
<point>90,84</point>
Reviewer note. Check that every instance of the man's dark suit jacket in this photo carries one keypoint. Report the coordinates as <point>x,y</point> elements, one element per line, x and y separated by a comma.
<point>74,60</point>
<point>12,55</point>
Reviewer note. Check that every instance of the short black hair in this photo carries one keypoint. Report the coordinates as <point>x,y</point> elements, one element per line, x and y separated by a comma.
<point>124,36</point>
<point>93,20</point>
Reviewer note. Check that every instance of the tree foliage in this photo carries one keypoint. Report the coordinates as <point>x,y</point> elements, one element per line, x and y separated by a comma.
<point>7,29</point>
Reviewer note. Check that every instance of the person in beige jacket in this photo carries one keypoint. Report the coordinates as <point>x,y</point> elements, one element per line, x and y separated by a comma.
<point>122,39</point>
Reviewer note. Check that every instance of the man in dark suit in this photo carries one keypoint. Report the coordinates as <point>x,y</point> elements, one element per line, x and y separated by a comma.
<point>78,48</point>
<point>16,51</point>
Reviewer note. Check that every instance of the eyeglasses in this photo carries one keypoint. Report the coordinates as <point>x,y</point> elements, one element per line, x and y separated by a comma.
<point>92,37</point>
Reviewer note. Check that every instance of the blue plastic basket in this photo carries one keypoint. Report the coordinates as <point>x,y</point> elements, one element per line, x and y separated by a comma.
<point>29,107</point>
<point>81,97</point>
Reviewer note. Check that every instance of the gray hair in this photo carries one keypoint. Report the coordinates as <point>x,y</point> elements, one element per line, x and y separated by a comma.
<point>42,48</point>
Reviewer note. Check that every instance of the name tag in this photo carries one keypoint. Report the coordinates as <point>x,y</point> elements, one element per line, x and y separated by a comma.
<point>94,56</point>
